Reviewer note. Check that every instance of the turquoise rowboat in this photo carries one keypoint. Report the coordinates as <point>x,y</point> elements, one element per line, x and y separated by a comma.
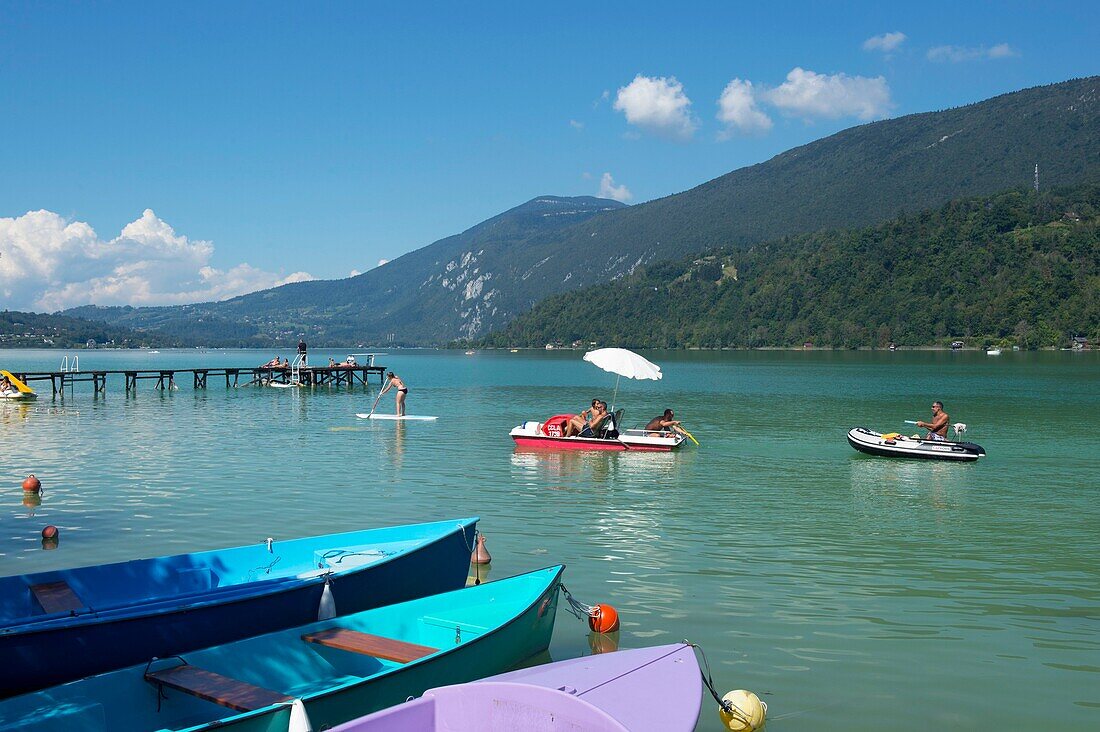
<point>67,624</point>
<point>315,676</point>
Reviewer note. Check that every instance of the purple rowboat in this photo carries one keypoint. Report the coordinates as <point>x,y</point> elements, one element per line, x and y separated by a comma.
<point>657,688</point>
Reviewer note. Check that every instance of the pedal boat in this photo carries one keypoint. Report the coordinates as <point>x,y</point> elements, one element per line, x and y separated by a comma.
<point>895,445</point>
<point>550,435</point>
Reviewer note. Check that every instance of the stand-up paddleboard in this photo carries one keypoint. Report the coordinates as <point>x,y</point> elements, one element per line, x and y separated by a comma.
<point>406,418</point>
<point>281,385</point>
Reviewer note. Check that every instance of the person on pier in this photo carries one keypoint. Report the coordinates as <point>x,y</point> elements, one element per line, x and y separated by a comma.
<point>302,349</point>
<point>394,381</point>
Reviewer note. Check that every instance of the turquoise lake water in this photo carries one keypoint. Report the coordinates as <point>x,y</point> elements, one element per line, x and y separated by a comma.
<point>849,592</point>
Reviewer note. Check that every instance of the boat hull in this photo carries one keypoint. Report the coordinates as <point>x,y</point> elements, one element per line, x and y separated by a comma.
<point>529,435</point>
<point>873,443</point>
<point>61,648</point>
<point>459,636</point>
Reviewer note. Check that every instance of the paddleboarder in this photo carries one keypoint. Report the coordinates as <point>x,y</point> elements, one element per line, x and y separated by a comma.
<point>393,380</point>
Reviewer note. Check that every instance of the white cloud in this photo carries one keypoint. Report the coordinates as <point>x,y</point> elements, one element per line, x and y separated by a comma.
<point>738,111</point>
<point>657,105</point>
<point>49,263</point>
<point>381,262</point>
<point>576,125</point>
<point>354,273</point>
<point>958,54</point>
<point>1002,50</point>
<point>808,94</point>
<point>608,189</point>
<point>887,42</point>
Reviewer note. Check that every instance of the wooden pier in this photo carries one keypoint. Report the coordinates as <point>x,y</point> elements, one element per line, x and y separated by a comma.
<point>339,375</point>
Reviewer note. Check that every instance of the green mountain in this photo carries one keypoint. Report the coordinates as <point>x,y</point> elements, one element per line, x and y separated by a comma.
<point>1014,268</point>
<point>469,284</point>
<point>35,330</point>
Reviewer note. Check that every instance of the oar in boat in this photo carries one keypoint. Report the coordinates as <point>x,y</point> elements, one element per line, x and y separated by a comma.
<point>689,435</point>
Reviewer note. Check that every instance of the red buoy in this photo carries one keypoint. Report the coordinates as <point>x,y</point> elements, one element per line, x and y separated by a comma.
<point>603,619</point>
<point>50,532</point>
<point>30,483</point>
<point>480,555</point>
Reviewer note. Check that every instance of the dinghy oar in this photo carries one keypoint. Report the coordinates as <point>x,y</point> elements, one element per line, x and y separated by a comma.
<point>910,421</point>
<point>689,435</point>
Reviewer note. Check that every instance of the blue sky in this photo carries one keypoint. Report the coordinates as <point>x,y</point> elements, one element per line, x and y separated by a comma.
<point>284,140</point>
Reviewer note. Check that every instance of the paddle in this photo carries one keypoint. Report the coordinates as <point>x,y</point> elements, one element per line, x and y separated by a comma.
<point>373,406</point>
<point>689,435</point>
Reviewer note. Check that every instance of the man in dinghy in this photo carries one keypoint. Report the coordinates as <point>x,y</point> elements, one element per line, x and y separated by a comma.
<point>937,428</point>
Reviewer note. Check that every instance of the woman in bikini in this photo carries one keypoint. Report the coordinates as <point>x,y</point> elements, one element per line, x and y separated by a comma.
<point>399,385</point>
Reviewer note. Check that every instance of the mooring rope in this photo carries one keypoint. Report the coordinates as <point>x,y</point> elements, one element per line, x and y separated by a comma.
<point>578,608</point>
<point>727,706</point>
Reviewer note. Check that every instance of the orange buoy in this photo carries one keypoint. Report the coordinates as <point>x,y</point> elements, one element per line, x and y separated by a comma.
<point>30,483</point>
<point>603,619</point>
<point>49,532</point>
<point>480,555</point>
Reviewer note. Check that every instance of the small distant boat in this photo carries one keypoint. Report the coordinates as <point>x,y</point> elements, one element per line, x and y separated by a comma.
<point>993,352</point>
<point>470,353</point>
<point>128,612</point>
<point>896,445</point>
<point>313,676</point>
<point>657,688</point>
<point>19,390</point>
<point>513,350</point>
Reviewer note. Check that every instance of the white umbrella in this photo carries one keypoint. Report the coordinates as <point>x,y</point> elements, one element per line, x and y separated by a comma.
<point>622,362</point>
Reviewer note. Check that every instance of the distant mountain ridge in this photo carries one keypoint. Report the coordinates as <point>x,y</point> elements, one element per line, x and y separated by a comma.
<point>477,281</point>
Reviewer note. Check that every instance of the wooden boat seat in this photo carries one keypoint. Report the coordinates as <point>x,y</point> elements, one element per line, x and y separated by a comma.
<point>213,687</point>
<point>369,645</point>
<point>56,597</point>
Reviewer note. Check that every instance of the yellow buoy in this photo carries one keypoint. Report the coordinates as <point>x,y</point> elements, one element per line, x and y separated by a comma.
<point>742,711</point>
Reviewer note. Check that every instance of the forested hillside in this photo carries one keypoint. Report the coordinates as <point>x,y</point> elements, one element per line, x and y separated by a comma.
<point>1014,268</point>
<point>34,330</point>
<point>471,283</point>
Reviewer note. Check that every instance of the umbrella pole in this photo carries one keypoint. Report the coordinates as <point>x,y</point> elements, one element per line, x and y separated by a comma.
<point>616,394</point>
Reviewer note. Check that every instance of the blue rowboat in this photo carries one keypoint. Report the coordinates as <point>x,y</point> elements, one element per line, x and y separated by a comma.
<point>314,676</point>
<point>71,623</point>
<point>657,688</point>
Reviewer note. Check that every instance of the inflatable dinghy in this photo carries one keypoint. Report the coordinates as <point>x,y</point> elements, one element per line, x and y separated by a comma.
<point>896,445</point>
